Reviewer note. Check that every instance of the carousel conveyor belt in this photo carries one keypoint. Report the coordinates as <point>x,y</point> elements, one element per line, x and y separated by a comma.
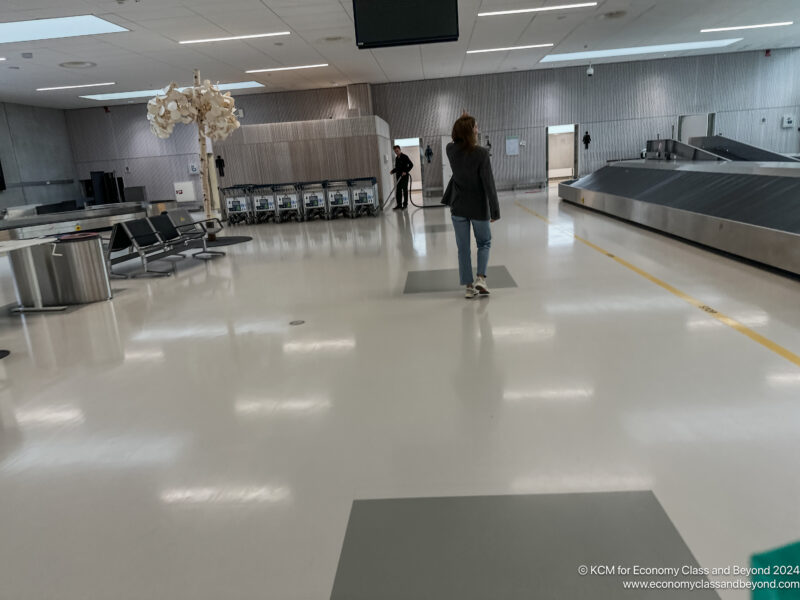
<point>748,209</point>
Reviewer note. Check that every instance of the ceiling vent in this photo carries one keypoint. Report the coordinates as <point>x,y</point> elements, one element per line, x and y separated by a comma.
<point>78,64</point>
<point>614,14</point>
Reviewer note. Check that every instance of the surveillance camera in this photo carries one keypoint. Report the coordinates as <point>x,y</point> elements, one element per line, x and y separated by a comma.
<point>589,71</point>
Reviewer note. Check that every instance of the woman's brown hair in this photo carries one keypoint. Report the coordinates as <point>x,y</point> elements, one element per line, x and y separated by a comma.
<point>464,132</point>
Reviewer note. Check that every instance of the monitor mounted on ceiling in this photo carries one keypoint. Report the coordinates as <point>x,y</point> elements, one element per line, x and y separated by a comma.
<point>383,23</point>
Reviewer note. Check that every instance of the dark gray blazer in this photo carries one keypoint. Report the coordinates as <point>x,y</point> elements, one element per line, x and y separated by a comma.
<point>471,192</point>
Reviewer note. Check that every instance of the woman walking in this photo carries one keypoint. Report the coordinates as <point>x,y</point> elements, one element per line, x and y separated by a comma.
<point>472,198</point>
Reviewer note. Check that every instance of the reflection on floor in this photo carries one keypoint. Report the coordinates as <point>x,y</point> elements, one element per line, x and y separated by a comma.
<point>184,441</point>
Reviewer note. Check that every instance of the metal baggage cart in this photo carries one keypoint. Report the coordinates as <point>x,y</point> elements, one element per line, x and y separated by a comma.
<point>313,200</point>
<point>337,199</point>
<point>287,202</point>
<point>364,197</point>
<point>238,206</point>
<point>264,209</point>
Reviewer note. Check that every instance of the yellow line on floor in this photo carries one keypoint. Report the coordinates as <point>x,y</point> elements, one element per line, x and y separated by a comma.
<point>730,322</point>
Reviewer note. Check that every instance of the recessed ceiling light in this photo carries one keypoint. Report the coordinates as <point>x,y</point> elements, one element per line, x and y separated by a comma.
<point>639,50</point>
<point>517,11</point>
<point>77,64</point>
<point>150,93</point>
<point>286,68</point>
<point>783,24</point>
<point>72,87</point>
<point>509,48</point>
<point>1,59</point>
<point>235,37</point>
<point>61,27</point>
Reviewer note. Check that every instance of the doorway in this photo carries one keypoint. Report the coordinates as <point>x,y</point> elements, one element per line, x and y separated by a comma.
<point>690,126</point>
<point>562,153</point>
<point>412,148</point>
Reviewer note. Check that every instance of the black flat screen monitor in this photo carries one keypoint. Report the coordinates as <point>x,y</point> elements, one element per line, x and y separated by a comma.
<point>382,23</point>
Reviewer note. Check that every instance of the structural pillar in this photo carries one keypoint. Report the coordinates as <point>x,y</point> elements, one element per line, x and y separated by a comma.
<point>359,100</point>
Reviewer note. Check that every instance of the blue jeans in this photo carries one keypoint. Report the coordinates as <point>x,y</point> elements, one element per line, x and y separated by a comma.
<point>483,238</point>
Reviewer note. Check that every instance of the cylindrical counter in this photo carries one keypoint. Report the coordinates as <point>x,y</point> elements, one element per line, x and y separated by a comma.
<point>69,270</point>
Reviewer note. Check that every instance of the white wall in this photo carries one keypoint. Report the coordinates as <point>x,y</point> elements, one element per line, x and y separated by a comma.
<point>562,154</point>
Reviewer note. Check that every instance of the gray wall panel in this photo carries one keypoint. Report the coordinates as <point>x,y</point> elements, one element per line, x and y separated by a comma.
<point>91,134</point>
<point>35,148</point>
<point>122,138</point>
<point>306,151</point>
<point>622,105</point>
<point>294,106</point>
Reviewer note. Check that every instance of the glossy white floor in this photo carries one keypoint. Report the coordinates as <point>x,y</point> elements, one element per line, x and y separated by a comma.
<point>184,441</point>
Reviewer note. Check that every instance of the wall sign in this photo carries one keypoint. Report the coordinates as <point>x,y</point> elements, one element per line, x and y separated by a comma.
<point>184,191</point>
<point>512,145</point>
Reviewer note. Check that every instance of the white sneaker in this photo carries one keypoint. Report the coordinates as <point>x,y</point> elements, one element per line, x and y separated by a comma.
<point>481,287</point>
<point>470,292</point>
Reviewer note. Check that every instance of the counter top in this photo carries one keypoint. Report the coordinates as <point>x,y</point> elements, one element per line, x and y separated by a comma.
<point>11,245</point>
<point>106,210</point>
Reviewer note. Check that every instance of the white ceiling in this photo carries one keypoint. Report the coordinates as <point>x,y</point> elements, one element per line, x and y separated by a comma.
<point>149,57</point>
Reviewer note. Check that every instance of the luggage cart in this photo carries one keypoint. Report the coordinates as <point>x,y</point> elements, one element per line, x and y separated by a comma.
<point>364,197</point>
<point>264,209</point>
<point>313,200</point>
<point>338,199</point>
<point>238,204</point>
<point>287,202</point>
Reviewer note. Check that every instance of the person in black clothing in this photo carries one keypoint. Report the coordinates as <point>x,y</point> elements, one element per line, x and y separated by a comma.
<point>402,167</point>
<point>472,197</point>
<point>220,162</point>
<point>586,139</point>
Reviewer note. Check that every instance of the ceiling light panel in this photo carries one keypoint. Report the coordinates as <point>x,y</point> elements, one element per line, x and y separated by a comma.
<point>73,87</point>
<point>737,28</point>
<point>287,68</point>
<point>497,13</point>
<point>660,49</point>
<point>61,27</point>
<point>236,37</point>
<point>509,48</point>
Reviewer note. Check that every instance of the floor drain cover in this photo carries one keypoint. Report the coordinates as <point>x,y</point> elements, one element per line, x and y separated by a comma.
<point>295,323</point>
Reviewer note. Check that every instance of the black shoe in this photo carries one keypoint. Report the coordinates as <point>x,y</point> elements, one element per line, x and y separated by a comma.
<point>405,206</point>
<point>398,207</point>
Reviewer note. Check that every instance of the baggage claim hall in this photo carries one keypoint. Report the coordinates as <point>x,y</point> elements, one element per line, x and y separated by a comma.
<point>399,299</point>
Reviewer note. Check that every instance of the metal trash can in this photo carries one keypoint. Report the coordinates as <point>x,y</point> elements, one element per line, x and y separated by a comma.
<point>79,269</point>
<point>68,270</point>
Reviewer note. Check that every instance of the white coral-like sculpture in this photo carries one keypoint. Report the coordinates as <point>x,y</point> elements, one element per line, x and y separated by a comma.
<point>204,104</point>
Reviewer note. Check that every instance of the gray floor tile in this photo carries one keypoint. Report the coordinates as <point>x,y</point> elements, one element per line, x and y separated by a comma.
<point>506,547</point>
<point>446,280</point>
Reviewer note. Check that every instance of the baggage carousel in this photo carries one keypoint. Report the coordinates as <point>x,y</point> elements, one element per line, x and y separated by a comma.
<point>749,209</point>
<point>89,219</point>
